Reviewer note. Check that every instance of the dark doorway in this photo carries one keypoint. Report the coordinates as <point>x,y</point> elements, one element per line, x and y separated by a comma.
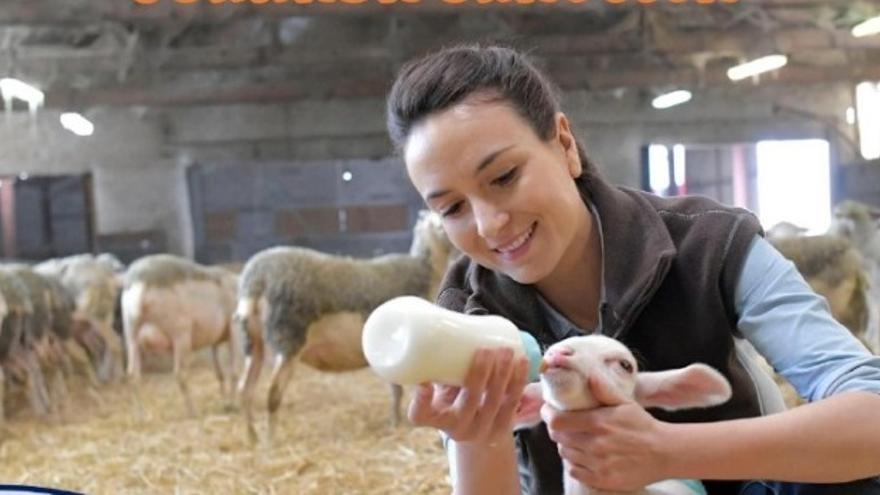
<point>46,216</point>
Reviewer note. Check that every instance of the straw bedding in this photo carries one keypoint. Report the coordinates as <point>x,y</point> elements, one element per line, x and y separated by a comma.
<point>333,437</point>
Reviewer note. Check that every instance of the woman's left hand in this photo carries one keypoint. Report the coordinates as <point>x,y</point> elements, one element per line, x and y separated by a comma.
<point>615,447</point>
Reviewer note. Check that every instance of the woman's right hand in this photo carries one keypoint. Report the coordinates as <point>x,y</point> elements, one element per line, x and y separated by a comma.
<point>482,409</point>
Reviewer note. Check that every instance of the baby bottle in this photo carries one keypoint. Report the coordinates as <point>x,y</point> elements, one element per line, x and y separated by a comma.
<point>407,340</point>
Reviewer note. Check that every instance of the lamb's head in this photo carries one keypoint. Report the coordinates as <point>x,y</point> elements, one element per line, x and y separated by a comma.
<point>785,230</point>
<point>429,238</point>
<point>576,367</point>
<point>855,221</point>
<point>567,366</point>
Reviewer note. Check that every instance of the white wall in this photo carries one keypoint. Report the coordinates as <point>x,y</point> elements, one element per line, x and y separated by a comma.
<point>138,157</point>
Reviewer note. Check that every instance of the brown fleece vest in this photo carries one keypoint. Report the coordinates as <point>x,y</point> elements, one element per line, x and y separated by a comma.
<point>671,266</point>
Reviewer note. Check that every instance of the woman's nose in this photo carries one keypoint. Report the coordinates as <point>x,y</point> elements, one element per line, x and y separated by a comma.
<point>490,220</point>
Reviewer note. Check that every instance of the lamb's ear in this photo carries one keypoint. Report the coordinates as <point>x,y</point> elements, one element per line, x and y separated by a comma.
<point>528,412</point>
<point>696,385</point>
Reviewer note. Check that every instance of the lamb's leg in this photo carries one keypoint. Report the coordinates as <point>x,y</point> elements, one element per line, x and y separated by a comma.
<point>46,384</point>
<point>182,352</point>
<point>396,395</point>
<point>235,345</point>
<point>60,371</point>
<point>80,360</point>
<point>59,389</point>
<point>63,356</point>
<point>253,364</point>
<point>134,376</point>
<point>280,378</point>
<point>86,338</point>
<point>37,394</point>
<point>107,366</point>
<point>218,370</point>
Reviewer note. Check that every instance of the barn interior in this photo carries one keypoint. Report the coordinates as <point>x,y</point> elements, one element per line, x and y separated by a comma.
<point>215,129</point>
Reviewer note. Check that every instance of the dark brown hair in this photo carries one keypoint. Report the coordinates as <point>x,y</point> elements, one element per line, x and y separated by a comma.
<point>445,78</point>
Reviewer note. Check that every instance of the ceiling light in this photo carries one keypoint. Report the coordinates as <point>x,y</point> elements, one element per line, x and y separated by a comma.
<point>13,88</point>
<point>77,124</point>
<point>346,176</point>
<point>867,28</point>
<point>757,66</point>
<point>671,99</point>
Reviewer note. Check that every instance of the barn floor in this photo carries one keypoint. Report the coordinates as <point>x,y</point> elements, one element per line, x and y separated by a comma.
<point>333,437</point>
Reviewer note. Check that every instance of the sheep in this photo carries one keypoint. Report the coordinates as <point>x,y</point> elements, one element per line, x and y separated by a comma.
<point>17,342</point>
<point>569,365</point>
<point>72,339</point>
<point>48,333</point>
<point>79,339</point>
<point>858,222</point>
<point>94,283</point>
<point>173,304</point>
<point>313,305</point>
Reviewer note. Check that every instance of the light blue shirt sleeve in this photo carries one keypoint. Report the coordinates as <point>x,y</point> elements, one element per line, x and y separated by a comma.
<point>792,327</point>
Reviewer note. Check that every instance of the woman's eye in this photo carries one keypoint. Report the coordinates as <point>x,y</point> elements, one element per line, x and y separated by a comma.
<point>506,178</point>
<point>452,210</point>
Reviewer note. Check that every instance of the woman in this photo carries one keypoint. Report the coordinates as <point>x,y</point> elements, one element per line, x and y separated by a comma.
<point>553,247</point>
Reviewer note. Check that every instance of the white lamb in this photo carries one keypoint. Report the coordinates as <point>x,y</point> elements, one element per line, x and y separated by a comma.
<point>568,365</point>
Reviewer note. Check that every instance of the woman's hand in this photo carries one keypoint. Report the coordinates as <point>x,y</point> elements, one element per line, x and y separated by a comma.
<point>615,447</point>
<point>482,409</point>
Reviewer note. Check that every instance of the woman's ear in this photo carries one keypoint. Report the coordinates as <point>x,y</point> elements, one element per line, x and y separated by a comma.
<point>566,139</point>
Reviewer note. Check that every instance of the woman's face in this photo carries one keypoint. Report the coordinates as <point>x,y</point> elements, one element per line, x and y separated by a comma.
<point>507,198</point>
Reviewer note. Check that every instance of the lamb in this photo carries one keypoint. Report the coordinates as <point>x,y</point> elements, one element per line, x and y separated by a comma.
<point>858,222</point>
<point>94,283</point>
<point>313,305</point>
<point>569,364</point>
<point>173,304</point>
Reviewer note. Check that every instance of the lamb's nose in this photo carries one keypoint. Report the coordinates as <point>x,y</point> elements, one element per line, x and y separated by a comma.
<point>562,351</point>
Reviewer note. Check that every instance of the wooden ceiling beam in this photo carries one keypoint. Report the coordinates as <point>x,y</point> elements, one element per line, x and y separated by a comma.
<point>367,86</point>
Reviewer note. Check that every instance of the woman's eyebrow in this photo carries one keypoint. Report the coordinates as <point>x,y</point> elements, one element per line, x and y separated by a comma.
<point>485,162</point>
<point>488,159</point>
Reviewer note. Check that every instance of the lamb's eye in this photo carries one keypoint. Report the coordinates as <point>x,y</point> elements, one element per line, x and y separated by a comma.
<point>626,365</point>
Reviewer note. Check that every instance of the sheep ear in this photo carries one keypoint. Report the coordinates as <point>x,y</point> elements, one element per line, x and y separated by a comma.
<point>696,385</point>
<point>528,412</point>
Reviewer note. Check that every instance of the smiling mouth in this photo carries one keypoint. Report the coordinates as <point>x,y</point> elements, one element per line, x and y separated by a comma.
<point>518,242</point>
